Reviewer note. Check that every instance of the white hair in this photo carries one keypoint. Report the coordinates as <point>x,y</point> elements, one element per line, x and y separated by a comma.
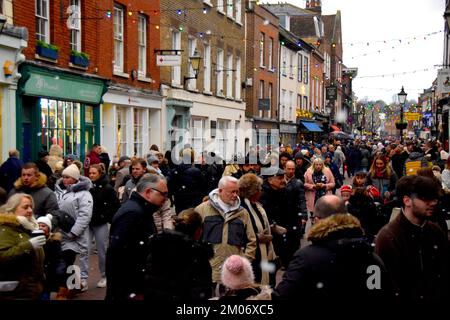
<point>225,180</point>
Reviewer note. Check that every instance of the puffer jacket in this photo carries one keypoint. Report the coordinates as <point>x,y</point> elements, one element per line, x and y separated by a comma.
<point>18,260</point>
<point>229,232</point>
<point>43,197</point>
<point>77,201</point>
<point>335,266</point>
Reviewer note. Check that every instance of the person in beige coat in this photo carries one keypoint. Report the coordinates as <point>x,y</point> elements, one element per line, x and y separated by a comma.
<point>227,226</point>
<point>319,181</point>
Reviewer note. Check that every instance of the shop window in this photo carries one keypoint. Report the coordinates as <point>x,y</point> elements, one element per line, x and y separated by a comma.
<point>60,123</point>
<point>137,144</point>
<point>121,137</point>
<point>222,138</point>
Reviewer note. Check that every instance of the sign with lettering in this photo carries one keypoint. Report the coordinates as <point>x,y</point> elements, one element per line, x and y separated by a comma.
<point>59,87</point>
<point>263,104</point>
<point>412,116</point>
<point>331,93</point>
<point>168,60</point>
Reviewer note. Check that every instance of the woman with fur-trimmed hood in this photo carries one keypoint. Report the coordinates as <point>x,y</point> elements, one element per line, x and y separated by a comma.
<point>335,267</point>
<point>21,256</point>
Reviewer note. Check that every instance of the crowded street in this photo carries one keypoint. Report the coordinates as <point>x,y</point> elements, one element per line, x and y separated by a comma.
<point>225,157</point>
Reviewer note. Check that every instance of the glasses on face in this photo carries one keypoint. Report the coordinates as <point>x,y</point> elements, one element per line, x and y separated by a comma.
<point>164,194</point>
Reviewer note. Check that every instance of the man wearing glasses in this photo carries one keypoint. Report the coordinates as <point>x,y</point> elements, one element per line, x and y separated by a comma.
<point>414,250</point>
<point>131,228</point>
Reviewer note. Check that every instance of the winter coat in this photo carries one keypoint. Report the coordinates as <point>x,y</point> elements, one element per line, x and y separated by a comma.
<point>310,192</point>
<point>339,158</point>
<point>130,186</point>
<point>121,174</point>
<point>363,207</point>
<point>104,158</point>
<point>188,186</point>
<point>44,168</point>
<point>446,179</point>
<point>18,260</point>
<point>77,201</point>
<point>131,229</point>
<point>44,198</point>
<point>178,268</point>
<point>365,156</point>
<point>417,259</point>
<point>296,201</point>
<point>415,161</point>
<point>334,267</point>
<point>105,200</point>
<point>163,217</point>
<point>264,250</point>
<point>10,171</point>
<point>54,265</point>
<point>229,232</point>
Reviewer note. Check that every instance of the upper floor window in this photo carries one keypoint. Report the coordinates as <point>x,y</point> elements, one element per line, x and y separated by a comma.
<point>305,69</point>
<point>118,38</point>
<point>219,72</point>
<point>261,51</point>
<point>237,83</point>
<point>230,8</point>
<point>75,25</point>
<point>42,20</point>
<point>299,67</point>
<point>238,11</point>
<point>142,35</point>
<point>176,45</point>
<point>207,69</point>
<point>220,5</point>
<point>283,61</point>
<point>270,51</point>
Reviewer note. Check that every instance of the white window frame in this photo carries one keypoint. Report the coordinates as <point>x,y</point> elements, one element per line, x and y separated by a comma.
<point>261,49</point>
<point>237,81</point>
<point>75,32</point>
<point>283,104</point>
<point>220,6</point>
<point>219,73</point>
<point>305,70</point>
<point>229,75</point>
<point>121,114</point>
<point>118,38</point>
<point>176,45</point>
<point>291,64</point>
<point>299,68</point>
<point>198,134</point>
<point>291,103</point>
<point>238,13</point>
<point>283,61</point>
<point>261,96</point>
<point>45,19</point>
<point>230,10</point>
<point>138,131</point>
<point>207,68</point>
<point>142,45</point>
<point>192,45</point>
<point>270,52</point>
<point>222,137</point>
<point>269,95</point>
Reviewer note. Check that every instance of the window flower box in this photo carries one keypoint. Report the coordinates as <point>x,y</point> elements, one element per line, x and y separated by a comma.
<point>47,50</point>
<point>79,58</point>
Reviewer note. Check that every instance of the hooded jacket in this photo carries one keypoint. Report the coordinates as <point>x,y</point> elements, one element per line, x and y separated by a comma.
<point>105,200</point>
<point>229,232</point>
<point>335,266</point>
<point>77,201</point>
<point>18,260</point>
<point>44,198</point>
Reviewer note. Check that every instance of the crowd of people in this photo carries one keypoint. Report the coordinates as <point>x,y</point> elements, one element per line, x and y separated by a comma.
<point>204,228</point>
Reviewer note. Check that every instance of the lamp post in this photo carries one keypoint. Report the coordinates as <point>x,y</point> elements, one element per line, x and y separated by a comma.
<point>401,99</point>
<point>195,63</point>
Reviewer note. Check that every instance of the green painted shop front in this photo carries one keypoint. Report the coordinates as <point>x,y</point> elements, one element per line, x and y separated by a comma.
<point>57,107</point>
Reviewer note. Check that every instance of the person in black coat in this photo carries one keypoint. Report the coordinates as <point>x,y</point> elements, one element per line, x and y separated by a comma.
<point>131,229</point>
<point>43,165</point>
<point>187,184</point>
<point>339,265</point>
<point>106,205</point>
<point>178,265</point>
<point>10,170</point>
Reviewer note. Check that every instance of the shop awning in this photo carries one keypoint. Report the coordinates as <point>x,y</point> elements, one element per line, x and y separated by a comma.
<point>311,126</point>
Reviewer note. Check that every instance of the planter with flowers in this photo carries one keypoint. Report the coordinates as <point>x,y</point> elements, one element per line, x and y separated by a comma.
<point>79,58</point>
<point>47,50</point>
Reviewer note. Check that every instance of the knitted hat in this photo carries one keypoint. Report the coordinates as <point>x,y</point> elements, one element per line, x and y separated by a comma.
<point>72,171</point>
<point>152,158</point>
<point>237,272</point>
<point>47,219</point>
<point>346,188</point>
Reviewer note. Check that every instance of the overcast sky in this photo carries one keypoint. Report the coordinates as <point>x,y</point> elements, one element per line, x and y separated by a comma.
<point>373,22</point>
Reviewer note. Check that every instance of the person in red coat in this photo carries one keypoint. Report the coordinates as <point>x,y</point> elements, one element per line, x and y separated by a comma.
<point>92,158</point>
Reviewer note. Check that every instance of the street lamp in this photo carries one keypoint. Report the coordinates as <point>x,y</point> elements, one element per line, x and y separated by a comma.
<point>401,99</point>
<point>195,63</point>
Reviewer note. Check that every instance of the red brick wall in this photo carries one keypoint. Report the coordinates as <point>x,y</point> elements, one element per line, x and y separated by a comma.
<point>97,35</point>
